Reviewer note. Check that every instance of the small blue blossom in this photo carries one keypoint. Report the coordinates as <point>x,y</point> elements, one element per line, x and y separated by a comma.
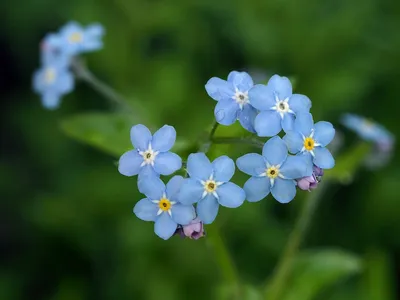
<point>233,99</point>
<point>209,186</point>
<point>311,140</point>
<point>162,206</point>
<point>277,104</point>
<point>51,51</point>
<point>151,155</point>
<point>52,81</point>
<point>273,171</point>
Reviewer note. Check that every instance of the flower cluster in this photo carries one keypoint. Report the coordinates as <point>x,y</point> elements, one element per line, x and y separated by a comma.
<point>54,78</point>
<point>261,109</point>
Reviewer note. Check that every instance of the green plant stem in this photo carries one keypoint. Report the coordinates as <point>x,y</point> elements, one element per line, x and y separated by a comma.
<point>276,286</point>
<point>243,140</point>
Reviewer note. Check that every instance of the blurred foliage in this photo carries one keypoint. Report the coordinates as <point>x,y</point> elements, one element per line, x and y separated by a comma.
<point>68,231</point>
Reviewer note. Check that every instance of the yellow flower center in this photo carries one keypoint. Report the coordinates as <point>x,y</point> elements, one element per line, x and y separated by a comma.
<point>164,204</point>
<point>210,186</point>
<point>272,172</point>
<point>309,144</point>
<point>75,37</point>
<point>49,75</point>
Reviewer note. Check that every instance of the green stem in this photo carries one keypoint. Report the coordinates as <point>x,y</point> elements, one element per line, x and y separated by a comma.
<point>243,140</point>
<point>276,286</point>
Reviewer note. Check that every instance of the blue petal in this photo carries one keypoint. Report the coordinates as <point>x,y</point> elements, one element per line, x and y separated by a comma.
<point>165,227</point>
<point>182,214</point>
<point>257,188</point>
<point>66,82</point>
<point>323,133</point>
<point>146,210</point>
<point>226,112</point>
<point>207,209</point>
<point>167,163</point>
<point>219,89</point>
<point>129,163</point>
<point>252,164</point>
<point>296,167</point>
<point>224,168</point>
<point>173,187</point>
<point>51,100</point>
<point>199,166</point>
<point>304,123</point>
<point>281,86</point>
<point>268,123</point>
<point>299,103</point>
<point>147,171</point>
<point>323,158</point>
<point>95,29</point>
<point>275,151</point>
<point>262,97</point>
<point>283,190</point>
<point>140,137</point>
<point>232,75</point>
<point>152,187</point>
<point>294,141</point>
<point>230,195</point>
<point>287,122</point>
<point>164,138</point>
<point>191,191</point>
<point>247,117</point>
<point>241,80</point>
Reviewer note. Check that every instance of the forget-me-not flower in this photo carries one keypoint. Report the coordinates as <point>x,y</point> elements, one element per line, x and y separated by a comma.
<point>233,99</point>
<point>162,206</point>
<point>209,186</point>
<point>151,155</point>
<point>273,171</point>
<point>277,104</point>
<point>311,140</point>
<point>51,52</point>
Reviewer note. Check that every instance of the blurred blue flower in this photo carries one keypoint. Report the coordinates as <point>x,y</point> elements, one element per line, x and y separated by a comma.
<point>273,171</point>
<point>209,186</point>
<point>52,81</point>
<point>162,206</point>
<point>277,105</point>
<point>233,99</point>
<point>151,155</point>
<point>52,53</point>
<point>311,140</point>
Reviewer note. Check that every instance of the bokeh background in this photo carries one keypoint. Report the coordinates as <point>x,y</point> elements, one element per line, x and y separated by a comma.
<point>67,229</point>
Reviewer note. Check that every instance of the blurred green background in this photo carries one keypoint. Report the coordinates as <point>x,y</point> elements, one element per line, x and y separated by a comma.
<point>67,229</point>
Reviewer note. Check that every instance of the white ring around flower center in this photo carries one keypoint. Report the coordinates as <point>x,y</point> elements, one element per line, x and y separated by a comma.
<point>242,98</point>
<point>210,186</point>
<point>148,156</point>
<point>282,106</point>
<point>272,171</point>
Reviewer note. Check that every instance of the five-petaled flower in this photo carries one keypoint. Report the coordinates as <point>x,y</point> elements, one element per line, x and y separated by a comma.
<point>310,140</point>
<point>277,104</point>
<point>233,99</point>
<point>273,171</point>
<point>162,205</point>
<point>151,155</point>
<point>209,186</point>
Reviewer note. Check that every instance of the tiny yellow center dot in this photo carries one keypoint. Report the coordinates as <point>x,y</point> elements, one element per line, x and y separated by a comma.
<point>50,75</point>
<point>75,37</point>
<point>272,172</point>
<point>210,186</point>
<point>164,204</point>
<point>309,144</point>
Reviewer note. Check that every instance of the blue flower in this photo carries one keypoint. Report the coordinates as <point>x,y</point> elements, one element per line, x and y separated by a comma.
<point>209,186</point>
<point>310,140</point>
<point>277,104</point>
<point>233,99</point>
<point>52,81</point>
<point>52,52</point>
<point>273,171</point>
<point>162,206</point>
<point>151,155</point>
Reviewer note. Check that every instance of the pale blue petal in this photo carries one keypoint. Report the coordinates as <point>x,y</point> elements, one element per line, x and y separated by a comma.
<point>129,163</point>
<point>230,195</point>
<point>146,210</point>
<point>92,44</point>
<point>147,171</point>
<point>140,137</point>
<point>173,187</point>
<point>297,167</point>
<point>165,227</point>
<point>191,191</point>
<point>226,112</point>
<point>323,158</point>
<point>304,123</point>
<point>268,123</point>
<point>252,164</point>
<point>241,80</point>
<point>287,122</point>
<point>299,103</point>
<point>95,29</point>
<point>219,89</point>
<point>183,214</point>
<point>281,86</point>
<point>232,75</point>
<point>207,209</point>
<point>275,151</point>
<point>167,163</point>
<point>262,97</point>
<point>224,168</point>
<point>247,117</point>
<point>37,82</point>
<point>199,166</point>
<point>283,190</point>
<point>294,141</point>
<point>51,100</point>
<point>66,82</point>
<point>152,187</point>
<point>257,188</point>
<point>164,138</point>
<point>323,133</point>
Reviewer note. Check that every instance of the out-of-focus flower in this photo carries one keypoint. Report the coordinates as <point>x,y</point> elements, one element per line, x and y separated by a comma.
<point>233,99</point>
<point>194,230</point>
<point>278,106</point>
<point>311,182</point>
<point>273,171</point>
<point>209,186</point>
